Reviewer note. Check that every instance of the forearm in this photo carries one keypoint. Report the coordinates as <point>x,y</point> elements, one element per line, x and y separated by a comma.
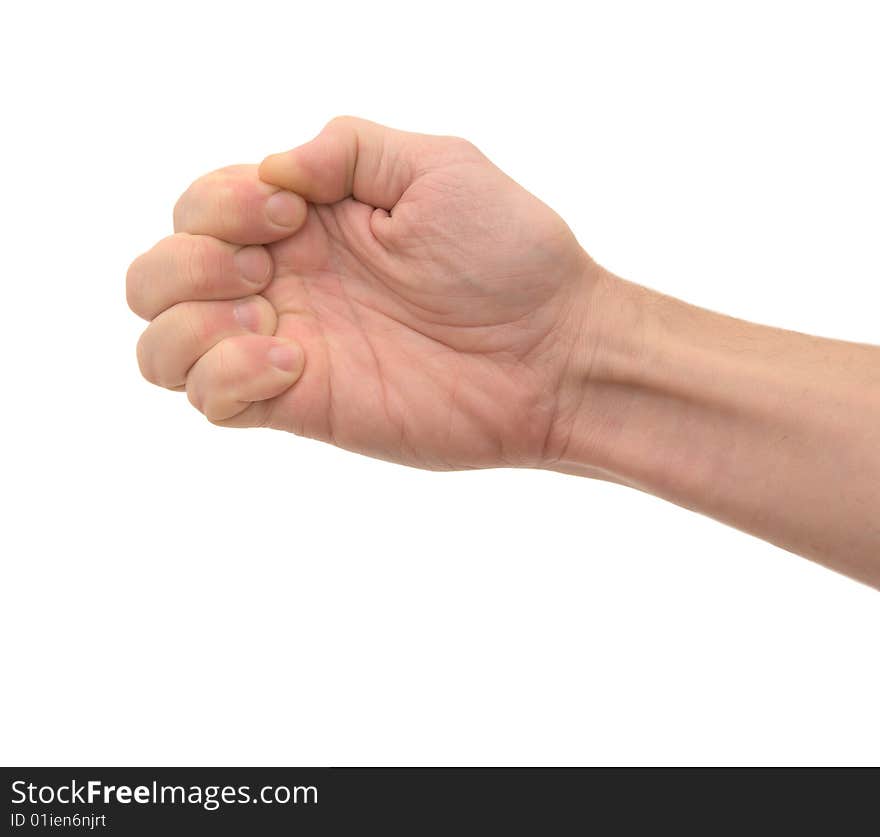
<point>773,432</point>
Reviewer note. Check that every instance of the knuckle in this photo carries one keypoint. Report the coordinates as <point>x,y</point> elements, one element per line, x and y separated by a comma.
<point>133,287</point>
<point>177,213</point>
<point>146,360</point>
<point>462,146</point>
<point>231,205</point>
<point>216,199</point>
<point>235,170</point>
<point>217,410</point>
<point>342,121</point>
<point>226,361</point>
<point>195,396</point>
<point>196,325</point>
<point>182,206</point>
<point>157,365</point>
<point>200,265</point>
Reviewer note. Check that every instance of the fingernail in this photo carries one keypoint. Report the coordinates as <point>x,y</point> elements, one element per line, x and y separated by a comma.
<point>247,315</point>
<point>284,209</point>
<point>254,264</point>
<point>286,356</point>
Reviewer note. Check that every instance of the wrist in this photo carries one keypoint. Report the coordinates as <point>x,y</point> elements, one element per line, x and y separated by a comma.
<point>650,387</point>
<point>606,338</point>
<point>770,431</point>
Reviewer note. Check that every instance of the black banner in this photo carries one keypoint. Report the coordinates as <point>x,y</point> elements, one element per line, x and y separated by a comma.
<point>265,801</point>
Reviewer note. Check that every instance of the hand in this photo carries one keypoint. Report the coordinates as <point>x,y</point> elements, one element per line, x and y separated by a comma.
<point>421,307</point>
<point>398,295</point>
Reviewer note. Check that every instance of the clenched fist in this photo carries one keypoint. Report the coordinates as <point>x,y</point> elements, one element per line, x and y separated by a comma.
<point>398,295</point>
<point>392,293</point>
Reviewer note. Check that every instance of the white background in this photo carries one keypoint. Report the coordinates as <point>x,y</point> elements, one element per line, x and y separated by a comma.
<point>173,592</point>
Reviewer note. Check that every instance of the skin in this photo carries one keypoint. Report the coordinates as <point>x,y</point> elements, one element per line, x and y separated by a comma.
<point>396,294</point>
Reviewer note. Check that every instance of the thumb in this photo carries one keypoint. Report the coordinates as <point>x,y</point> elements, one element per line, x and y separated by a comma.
<point>350,156</point>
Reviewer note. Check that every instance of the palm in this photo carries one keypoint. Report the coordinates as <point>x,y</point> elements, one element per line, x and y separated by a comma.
<point>426,330</point>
